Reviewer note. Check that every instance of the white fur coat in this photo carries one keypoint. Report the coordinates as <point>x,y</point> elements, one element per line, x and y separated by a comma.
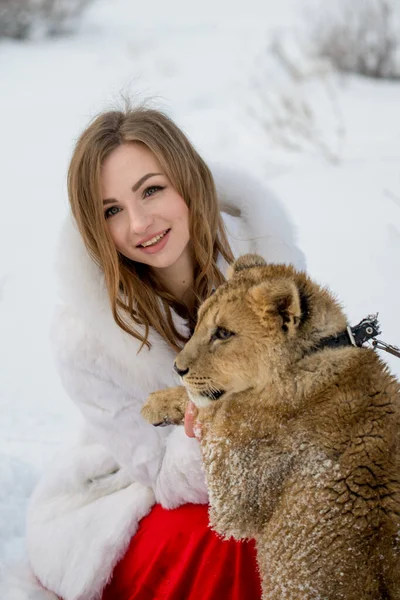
<point>88,504</point>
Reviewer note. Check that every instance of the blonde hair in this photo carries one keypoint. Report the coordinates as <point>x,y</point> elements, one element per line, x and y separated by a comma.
<point>135,293</point>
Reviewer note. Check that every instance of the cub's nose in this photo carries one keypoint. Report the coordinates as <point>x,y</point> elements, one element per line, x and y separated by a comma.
<point>181,372</point>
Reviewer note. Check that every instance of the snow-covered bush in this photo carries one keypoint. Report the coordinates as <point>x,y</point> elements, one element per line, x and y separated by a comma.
<point>359,36</point>
<point>22,19</point>
<point>293,100</point>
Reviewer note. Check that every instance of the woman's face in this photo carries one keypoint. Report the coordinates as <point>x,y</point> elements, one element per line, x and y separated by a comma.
<point>147,219</point>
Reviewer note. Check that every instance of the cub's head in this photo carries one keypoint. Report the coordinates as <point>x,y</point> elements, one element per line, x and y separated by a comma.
<point>253,328</point>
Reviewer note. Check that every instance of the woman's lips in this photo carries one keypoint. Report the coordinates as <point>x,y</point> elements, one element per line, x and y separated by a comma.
<point>156,247</point>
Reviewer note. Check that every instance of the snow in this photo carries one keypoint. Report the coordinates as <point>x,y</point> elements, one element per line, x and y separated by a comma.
<point>335,167</point>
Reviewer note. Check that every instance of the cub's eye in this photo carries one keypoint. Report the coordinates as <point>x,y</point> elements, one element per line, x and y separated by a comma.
<point>149,191</point>
<point>221,334</point>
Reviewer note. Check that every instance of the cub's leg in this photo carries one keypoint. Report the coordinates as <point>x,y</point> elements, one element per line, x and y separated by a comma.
<point>315,547</point>
<point>389,553</point>
<point>244,480</point>
<point>166,407</point>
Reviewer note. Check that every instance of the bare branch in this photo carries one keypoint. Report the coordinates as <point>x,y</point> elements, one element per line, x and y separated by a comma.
<point>21,19</point>
<point>361,36</point>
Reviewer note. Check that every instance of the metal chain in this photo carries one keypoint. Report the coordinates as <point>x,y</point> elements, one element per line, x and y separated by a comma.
<point>378,344</point>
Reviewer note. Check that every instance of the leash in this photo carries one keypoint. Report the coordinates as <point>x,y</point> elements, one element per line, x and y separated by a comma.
<point>358,335</point>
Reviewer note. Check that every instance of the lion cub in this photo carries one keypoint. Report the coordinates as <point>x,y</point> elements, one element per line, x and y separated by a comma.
<point>300,441</point>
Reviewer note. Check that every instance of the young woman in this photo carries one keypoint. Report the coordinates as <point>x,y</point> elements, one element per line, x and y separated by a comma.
<point>123,514</point>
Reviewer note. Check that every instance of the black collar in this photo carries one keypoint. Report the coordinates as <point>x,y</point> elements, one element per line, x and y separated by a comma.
<point>353,336</point>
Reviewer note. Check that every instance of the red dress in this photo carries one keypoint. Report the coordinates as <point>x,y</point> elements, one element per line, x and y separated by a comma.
<point>175,556</point>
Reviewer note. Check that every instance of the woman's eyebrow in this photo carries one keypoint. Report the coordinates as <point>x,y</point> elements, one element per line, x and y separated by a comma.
<point>134,187</point>
<point>142,180</point>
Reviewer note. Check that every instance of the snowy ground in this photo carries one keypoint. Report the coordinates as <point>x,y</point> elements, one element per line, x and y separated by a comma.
<point>212,73</point>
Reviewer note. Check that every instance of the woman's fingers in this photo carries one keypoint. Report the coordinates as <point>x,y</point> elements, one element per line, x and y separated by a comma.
<point>190,415</point>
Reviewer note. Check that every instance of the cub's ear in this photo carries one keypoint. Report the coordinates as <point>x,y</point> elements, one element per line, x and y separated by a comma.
<point>278,299</point>
<point>247,261</point>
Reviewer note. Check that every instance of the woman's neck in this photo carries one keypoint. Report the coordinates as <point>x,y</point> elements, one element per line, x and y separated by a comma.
<point>178,278</point>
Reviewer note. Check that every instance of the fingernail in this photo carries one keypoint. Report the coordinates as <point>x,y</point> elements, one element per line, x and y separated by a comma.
<point>191,409</point>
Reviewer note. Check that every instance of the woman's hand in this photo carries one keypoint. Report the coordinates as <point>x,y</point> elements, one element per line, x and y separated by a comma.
<point>190,416</point>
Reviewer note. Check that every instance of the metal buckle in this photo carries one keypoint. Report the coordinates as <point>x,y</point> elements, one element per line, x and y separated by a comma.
<point>366,329</point>
<point>351,336</point>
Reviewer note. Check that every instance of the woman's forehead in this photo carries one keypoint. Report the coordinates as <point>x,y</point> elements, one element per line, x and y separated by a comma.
<point>127,165</point>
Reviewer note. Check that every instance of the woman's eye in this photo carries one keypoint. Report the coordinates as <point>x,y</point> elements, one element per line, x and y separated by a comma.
<point>110,212</point>
<point>221,334</point>
<point>152,190</point>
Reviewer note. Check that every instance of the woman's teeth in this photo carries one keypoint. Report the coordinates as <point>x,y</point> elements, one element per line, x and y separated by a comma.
<point>154,240</point>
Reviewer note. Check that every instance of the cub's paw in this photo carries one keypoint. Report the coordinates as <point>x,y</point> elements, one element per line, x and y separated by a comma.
<point>166,407</point>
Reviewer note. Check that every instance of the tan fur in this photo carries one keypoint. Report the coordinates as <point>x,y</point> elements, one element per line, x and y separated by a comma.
<point>301,452</point>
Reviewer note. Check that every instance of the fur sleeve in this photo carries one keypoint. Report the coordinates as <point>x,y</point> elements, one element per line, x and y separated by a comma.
<point>110,395</point>
<point>84,505</point>
<point>99,386</point>
<point>181,477</point>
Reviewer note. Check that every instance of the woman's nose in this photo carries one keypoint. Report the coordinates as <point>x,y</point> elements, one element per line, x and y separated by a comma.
<point>139,221</point>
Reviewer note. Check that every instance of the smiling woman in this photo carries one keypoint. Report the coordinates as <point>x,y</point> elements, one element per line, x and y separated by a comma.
<point>123,516</point>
